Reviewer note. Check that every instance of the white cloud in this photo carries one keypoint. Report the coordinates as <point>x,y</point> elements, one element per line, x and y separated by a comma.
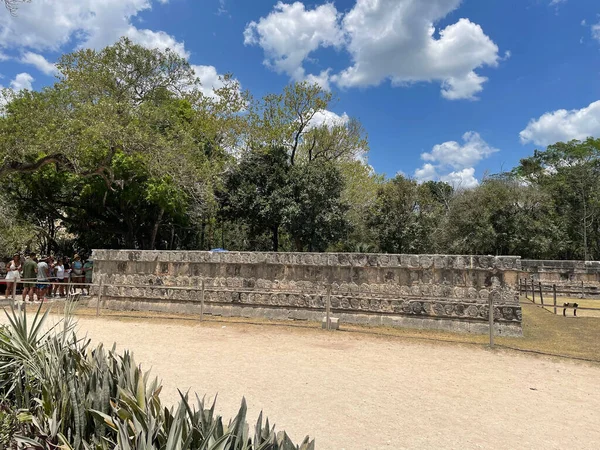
<point>157,39</point>
<point>210,79</point>
<point>3,56</point>
<point>563,125</point>
<point>41,63</point>
<point>22,81</point>
<point>596,31</point>
<point>453,162</point>
<point>557,2</point>
<point>50,25</point>
<point>452,154</point>
<point>387,40</point>
<point>462,179</point>
<point>329,118</point>
<point>290,33</point>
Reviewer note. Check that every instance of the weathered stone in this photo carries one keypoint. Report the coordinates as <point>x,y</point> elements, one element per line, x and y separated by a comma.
<point>390,288</point>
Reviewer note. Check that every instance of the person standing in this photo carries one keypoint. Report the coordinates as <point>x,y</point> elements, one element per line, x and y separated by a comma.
<point>77,272</point>
<point>30,275</point>
<point>88,270</point>
<point>59,275</point>
<point>42,278</point>
<point>13,271</point>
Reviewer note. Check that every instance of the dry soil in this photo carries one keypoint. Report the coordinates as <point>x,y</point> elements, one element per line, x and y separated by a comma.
<point>354,391</point>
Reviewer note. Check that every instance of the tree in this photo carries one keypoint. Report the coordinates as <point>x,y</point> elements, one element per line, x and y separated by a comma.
<point>403,218</point>
<point>257,191</point>
<point>505,217</point>
<point>122,99</point>
<point>570,174</point>
<point>316,218</point>
<point>290,120</point>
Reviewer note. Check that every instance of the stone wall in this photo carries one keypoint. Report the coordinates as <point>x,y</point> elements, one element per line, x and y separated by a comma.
<point>424,291</point>
<point>570,277</point>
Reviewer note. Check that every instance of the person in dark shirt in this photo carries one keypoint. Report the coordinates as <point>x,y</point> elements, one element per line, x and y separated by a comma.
<point>30,275</point>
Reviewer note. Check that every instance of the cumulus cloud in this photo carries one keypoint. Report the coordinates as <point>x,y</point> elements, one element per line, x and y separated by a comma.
<point>41,63</point>
<point>596,31</point>
<point>453,154</point>
<point>22,81</point>
<point>329,118</point>
<point>453,162</point>
<point>210,79</point>
<point>290,33</point>
<point>49,25</point>
<point>392,40</point>
<point>563,125</point>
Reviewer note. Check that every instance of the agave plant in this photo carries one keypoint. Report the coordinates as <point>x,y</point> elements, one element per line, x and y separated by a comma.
<point>60,393</point>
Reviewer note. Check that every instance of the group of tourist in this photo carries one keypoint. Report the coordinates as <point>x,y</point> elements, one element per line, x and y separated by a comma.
<point>48,276</point>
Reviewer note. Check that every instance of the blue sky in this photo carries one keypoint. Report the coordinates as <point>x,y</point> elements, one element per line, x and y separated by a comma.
<point>446,89</point>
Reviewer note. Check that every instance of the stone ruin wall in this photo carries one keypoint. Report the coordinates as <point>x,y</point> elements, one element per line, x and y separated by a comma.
<point>422,291</point>
<point>568,276</point>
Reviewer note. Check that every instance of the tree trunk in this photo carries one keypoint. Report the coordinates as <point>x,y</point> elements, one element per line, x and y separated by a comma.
<point>155,229</point>
<point>275,231</point>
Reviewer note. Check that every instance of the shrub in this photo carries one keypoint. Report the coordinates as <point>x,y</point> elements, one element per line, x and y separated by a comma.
<point>58,392</point>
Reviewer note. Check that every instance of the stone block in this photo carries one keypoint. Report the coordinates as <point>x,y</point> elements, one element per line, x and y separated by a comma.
<point>334,323</point>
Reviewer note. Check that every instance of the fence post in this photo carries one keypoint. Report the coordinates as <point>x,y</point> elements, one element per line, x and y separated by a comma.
<point>99,297</point>
<point>14,294</point>
<point>533,290</point>
<point>554,296</point>
<point>202,301</point>
<point>541,294</point>
<point>328,308</point>
<point>526,289</point>
<point>491,301</point>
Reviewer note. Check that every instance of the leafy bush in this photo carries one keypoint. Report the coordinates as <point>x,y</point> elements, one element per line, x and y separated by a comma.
<point>60,393</point>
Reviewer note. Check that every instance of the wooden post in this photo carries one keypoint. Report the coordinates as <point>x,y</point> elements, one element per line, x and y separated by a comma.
<point>99,297</point>
<point>491,322</point>
<point>533,290</point>
<point>526,289</point>
<point>541,294</point>
<point>202,301</point>
<point>328,308</point>
<point>554,296</point>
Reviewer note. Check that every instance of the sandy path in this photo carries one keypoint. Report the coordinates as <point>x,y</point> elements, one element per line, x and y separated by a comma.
<point>353,391</point>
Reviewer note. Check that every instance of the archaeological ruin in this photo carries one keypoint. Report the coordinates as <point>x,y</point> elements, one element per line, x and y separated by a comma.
<point>419,291</point>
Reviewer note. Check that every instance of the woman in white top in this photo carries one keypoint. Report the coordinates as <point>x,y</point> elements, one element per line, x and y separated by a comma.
<point>59,274</point>
<point>13,274</point>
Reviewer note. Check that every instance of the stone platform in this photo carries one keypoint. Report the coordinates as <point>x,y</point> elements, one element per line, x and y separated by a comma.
<point>422,291</point>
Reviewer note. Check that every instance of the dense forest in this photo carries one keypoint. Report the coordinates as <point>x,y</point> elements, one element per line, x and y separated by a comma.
<point>126,150</point>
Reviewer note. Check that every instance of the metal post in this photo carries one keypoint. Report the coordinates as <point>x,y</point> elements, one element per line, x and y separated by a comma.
<point>541,294</point>
<point>491,322</point>
<point>328,308</point>
<point>554,296</point>
<point>99,297</point>
<point>202,302</point>
<point>533,290</point>
<point>14,294</point>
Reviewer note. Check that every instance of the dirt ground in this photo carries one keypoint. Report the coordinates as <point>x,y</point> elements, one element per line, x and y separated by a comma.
<point>355,391</point>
